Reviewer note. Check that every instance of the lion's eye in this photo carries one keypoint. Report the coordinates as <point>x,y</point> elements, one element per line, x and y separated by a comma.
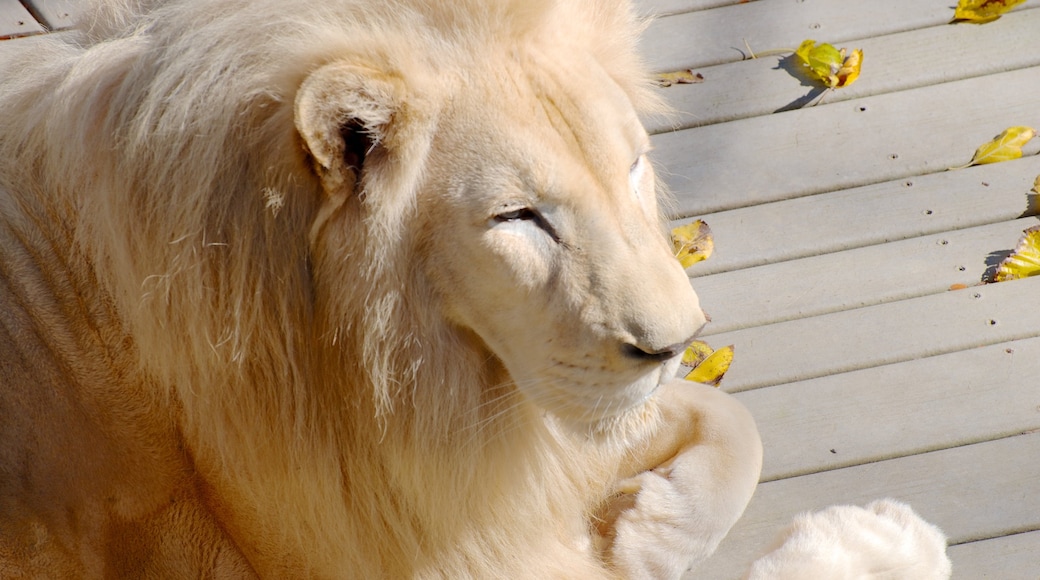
<point>526,214</point>
<point>635,176</point>
<point>517,215</point>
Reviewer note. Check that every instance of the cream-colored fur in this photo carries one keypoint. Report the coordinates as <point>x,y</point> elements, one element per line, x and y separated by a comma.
<point>358,289</point>
<point>885,540</point>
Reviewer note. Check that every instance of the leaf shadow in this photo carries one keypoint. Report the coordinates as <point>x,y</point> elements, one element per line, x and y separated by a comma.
<point>993,261</point>
<point>1032,205</point>
<point>997,256</point>
<point>790,64</point>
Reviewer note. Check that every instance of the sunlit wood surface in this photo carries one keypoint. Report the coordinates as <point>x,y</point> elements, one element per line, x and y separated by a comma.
<point>849,261</point>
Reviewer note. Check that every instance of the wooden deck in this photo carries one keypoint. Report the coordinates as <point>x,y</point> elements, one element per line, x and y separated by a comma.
<point>28,17</point>
<point>838,236</point>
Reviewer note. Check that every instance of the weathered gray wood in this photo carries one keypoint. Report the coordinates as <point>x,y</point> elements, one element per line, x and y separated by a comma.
<point>855,278</point>
<point>891,63</point>
<point>973,492</point>
<point>882,334</point>
<point>1015,557</point>
<point>15,20</point>
<point>841,145</point>
<point>665,7</point>
<point>56,14</point>
<point>709,37</point>
<point>873,214</point>
<point>896,410</point>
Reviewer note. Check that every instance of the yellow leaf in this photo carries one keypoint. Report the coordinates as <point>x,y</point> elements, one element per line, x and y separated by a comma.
<point>980,11</point>
<point>849,70</point>
<point>696,352</point>
<point>1024,261</point>
<point>1003,147</point>
<point>829,65</point>
<point>711,368</point>
<point>679,77</point>
<point>693,243</point>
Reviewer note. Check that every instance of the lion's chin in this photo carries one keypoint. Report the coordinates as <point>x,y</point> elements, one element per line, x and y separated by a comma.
<point>628,408</point>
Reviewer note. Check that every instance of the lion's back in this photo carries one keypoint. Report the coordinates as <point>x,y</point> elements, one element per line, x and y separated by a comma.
<point>93,478</point>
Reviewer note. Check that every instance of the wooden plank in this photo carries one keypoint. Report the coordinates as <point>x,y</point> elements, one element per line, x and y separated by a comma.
<point>56,14</point>
<point>896,410</point>
<point>665,7</point>
<point>855,278</point>
<point>972,492</point>
<point>15,20</point>
<point>1015,557</point>
<point>901,209</point>
<point>710,37</point>
<point>890,63</point>
<point>860,142</point>
<point>883,334</point>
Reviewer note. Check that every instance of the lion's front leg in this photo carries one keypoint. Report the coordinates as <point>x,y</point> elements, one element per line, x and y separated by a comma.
<point>691,483</point>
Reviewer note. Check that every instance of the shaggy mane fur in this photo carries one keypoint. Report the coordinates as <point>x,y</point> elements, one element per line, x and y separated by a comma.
<point>154,148</point>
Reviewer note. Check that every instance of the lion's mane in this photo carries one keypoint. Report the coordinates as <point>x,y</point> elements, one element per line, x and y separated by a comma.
<point>152,156</point>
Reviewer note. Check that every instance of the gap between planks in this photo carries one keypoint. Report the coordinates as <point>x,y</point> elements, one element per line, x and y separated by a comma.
<point>972,492</point>
<point>833,282</point>
<point>16,21</point>
<point>868,141</point>
<point>891,63</point>
<point>896,410</point>
<point>882,334</point>
<point>1013,557</point>
<point>722,34</point>
<point>900,209</point>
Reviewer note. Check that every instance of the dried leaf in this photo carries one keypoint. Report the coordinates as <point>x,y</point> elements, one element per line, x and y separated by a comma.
<point>693,243</point>
<point>834,68</point>
<point>679,77</point>
<point>1024,261</point>
<point>709,366</point>
<point>1036,185</point>
<point>1003,147</point>
<point>696,353</point>
<point>980,11</point>
<point>849,70</point>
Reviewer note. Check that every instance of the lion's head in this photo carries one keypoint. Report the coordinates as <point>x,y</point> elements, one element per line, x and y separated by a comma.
<point>534,224</point>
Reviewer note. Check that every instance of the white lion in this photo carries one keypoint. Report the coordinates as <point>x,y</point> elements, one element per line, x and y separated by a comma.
<point>357,288</point>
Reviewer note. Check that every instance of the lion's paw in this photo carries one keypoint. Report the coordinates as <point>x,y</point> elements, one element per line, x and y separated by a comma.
<point>664,524</point>
<point>673,513</point>
<point>886,539</point>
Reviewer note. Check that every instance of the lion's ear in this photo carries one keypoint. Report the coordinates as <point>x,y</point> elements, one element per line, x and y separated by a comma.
<point>342,112</point>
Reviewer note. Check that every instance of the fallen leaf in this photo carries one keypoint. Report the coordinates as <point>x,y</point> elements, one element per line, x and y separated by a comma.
<point>849,70</point>
<point>1003,147</point>
<point>1024,261</point>
<point>696,353</point>
<point>834,68</point>
<point>709,366</point>
<point>980,11</point>
<point>1036,185</point>
<point>693,243</point>
<point>958,286</point>
<point>679,77</point>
